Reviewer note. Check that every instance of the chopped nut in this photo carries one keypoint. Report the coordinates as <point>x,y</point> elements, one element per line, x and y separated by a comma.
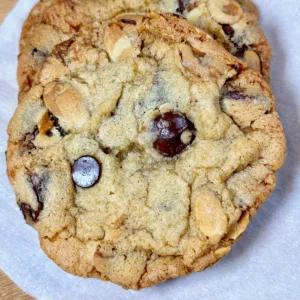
<point>240,227</point>
<point>66,104</point>
<point>210,216</point>
<point>52,70</point>
<point>222,252</point>
<point>118,44</point>
<point>189,61</point>
<point>252,60</point>
<point>225,11</point>
<point>194,15</point>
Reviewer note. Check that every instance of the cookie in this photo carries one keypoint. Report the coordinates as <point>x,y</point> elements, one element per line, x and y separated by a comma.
<point>232,23</point>
<point>143,150</point>
<point>235,25</point>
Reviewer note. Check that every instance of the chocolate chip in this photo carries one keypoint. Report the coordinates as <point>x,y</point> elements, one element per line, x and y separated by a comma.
<point>56,124</point>
<point>181,6</point>
<point>169,128</point>
<point>86,171</point>
<point>39,186</point>
<point>49,133</point>
<point>228,30</point>
<point>60,51</point>
<point>241,51</point>
<point>236,95</point>
<point>106,150</point>
<point>29,213</point>
<point>29,138</point>
<point>126,21</point>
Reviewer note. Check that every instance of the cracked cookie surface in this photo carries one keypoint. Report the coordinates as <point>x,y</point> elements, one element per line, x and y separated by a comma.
<point>232,23</point>
<point>143,150</point>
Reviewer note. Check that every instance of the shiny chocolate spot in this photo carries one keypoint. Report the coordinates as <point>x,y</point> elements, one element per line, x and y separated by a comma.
<point>169,129</point>
<point>86,171</point>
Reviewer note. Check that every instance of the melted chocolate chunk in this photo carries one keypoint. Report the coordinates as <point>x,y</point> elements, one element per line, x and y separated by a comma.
<point>169,128</point>
<point>181,6</point>
<point>241,51</point>
<point>29,213</point>
<point>56,124</point>
<point>126,21</point>
<point>86,171</point>
<point>236,95</point>
<point>29,138</point>
<point>39,186</point>
<point>228,30</point>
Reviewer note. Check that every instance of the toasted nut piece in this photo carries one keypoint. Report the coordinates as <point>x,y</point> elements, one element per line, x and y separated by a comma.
<point>225,11</point>
<point>115,266</point>
<point>118,44</point>
<point>66,104</point>
<point>240,227</point>
<point>189,61</point>
<point>222,252</point>
<point>252,60</point>
<point>210,216</point>
<point>52,70</point>
<point>194,15</point>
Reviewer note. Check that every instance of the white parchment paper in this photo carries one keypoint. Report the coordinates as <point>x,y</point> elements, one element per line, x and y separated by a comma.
<point>265,263</point>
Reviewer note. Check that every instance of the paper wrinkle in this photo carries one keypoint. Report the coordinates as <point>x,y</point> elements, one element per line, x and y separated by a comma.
<point>264,264</point>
